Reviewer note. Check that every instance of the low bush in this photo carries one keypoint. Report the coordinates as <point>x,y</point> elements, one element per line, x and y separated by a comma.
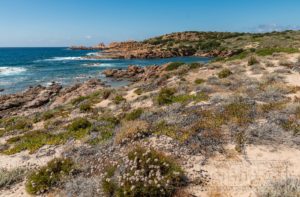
<point>49,176</point>
<point>286,63</point>
<point>131,130</point>
<point>252,61</point>
<point>289,187</point>
<point>224,73</point>
<point>162,128</point>
<point>106,93</point>
<point>165,96</point>
<point>195,65</point>
<point>118,99</point>
<point>144,173</point>
<point>16,123</point>
<point>104,128</point>
<point>10,177</point>
<point>271,51</point>
<point>78,100</point>
<point>78,124</point>
<point>239,112</point>
<point>135,114</point>
<point>85,107</point>
<point>138,91</point>
<point>174,66</point>
<point>34,140</point>
<point>199,81</point>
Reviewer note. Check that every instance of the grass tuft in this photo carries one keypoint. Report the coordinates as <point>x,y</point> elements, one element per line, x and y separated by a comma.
<point>49,176</point>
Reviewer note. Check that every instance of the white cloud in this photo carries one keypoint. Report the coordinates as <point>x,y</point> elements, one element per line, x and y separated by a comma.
<point>88,37</point>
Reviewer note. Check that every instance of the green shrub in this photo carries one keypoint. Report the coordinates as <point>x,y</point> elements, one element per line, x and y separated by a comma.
<point>10,177</point>
<point>31,141</point>
<point>17,123</point>
<point>209,45</point>
<point>195,65</point>
<point>199,81</point>
<point>48,115</point>
<point>252,61</point>
<point>138,91</point>
<point>165,96</point>
<point>135,114</point>
<point>118,99</point>
<point>49,176</point>
<point>238,112</point>
<point>270,51</point>
<point>174,66</point>
<point>163,175</point>
<point>240,56</point>
<point>34,140</point>
<point>224,73</point>
<point>172,131</point>
<point>78,124</point>
<point>106,93</point>
<point>78,100</point>
<point>85,107</point>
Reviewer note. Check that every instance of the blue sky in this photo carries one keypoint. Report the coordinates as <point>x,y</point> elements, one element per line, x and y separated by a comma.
<point>87,22</point>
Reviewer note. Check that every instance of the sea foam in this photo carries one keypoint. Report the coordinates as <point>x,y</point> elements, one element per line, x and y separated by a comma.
<point>11,70</point>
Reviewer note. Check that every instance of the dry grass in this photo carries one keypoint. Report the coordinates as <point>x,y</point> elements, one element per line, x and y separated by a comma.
<point>131,130</point>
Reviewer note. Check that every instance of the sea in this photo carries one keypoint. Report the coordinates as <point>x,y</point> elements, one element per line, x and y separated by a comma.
<point>21,68</point>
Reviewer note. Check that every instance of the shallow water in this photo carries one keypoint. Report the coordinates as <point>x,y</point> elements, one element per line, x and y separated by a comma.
<point>24,67</point>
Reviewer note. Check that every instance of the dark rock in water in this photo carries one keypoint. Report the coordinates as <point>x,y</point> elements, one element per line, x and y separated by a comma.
<point>1,90</point>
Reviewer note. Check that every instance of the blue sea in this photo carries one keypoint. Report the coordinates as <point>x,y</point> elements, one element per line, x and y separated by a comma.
<point>21,68</point>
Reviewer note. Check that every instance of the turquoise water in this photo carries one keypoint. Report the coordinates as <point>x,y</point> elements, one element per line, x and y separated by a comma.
<point>21,68</point>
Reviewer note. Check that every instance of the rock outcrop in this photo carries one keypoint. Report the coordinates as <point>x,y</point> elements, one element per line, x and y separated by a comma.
<point>135,73</point>
<point>34,97</point>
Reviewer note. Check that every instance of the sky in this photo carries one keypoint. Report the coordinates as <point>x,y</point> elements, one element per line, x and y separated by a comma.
<point>30,23</point>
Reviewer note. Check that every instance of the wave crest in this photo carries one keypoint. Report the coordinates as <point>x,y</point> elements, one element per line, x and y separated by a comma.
<point>11,70</point>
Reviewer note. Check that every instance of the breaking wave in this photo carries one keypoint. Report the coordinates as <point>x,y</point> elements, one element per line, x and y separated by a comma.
<point>11,70</point>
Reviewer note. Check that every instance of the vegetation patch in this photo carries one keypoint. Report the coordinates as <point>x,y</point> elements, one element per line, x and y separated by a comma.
<point>118,99</point>
<point>131,130</point>
<point>10,177</point>
<point>162,128</point>
<point>199,81</point>
<point>271,51</point>
<point>138,91</point>
<point>34,140</point>
<point>287,187</point>
<point>104,128</point>
<point>85,107</point>
<point>252,61</point>
<point>49,176</point>
<point>239,112</point>
<point>135,114</point>
<point>224,73</point>
<point>195,65</point>
<point>16,124</point>
<point>167,96</point>
<point>174,66</point>
<point>144,172</point>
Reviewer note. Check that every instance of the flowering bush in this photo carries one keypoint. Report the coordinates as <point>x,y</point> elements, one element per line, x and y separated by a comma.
<point>144,172</point>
